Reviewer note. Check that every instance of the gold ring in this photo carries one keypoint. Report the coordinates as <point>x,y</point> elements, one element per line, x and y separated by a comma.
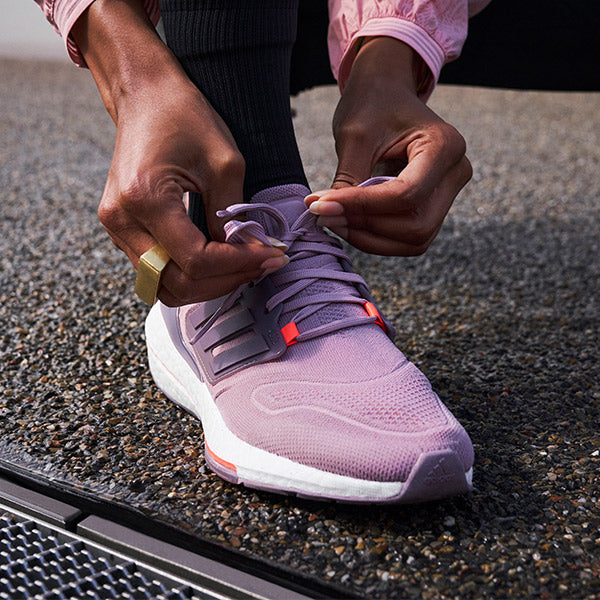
<point>149,270</point>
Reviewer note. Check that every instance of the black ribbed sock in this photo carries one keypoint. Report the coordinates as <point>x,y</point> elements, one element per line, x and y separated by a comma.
<point>238,53</point>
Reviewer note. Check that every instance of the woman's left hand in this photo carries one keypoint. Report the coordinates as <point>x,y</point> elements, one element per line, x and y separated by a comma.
<point>381,127</point>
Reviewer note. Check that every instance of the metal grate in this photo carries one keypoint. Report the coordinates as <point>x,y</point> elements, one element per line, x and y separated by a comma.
<point>36,562</point>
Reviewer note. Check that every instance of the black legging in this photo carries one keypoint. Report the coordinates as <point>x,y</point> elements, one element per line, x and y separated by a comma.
<point>237,52</point>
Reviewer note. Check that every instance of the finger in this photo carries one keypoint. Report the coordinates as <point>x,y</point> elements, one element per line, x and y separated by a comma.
<point>390,235</point>
<point>430,156</point>
<point>226,188</point>
<point>198,270</point>
<point>418,223</point>
<point>179,287</point>
<point>221,268</point>
<point>200,287</point>
<point>199,259</point>
<point>405,234</point>
<point>375,244</point>
<point>409,194</point>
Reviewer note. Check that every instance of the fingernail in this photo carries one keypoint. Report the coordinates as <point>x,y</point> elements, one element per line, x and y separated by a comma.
<point>339,221</point>
<point>339,231</point>
<point>327,208</point>
<point>275,263</point>
<point>314,196</point>
<point>278,243</point>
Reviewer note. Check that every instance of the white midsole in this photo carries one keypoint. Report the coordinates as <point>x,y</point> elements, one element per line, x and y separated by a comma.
<point>178,381</point>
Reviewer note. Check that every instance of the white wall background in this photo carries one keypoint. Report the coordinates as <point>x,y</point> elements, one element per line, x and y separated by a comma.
<point>25,32</point>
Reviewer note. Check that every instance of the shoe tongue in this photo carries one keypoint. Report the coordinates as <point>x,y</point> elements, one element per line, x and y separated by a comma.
<point>289,200</point>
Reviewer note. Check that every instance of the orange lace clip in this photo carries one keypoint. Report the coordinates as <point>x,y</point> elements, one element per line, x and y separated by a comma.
<point>373,312</point>
<point>290,333</point>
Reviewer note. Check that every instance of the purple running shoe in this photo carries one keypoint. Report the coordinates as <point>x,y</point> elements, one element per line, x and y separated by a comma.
<point>297,382</point>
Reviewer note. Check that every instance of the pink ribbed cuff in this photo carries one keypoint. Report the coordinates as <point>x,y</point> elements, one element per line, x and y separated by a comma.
<point>406,31</point>
<point>67,12</point>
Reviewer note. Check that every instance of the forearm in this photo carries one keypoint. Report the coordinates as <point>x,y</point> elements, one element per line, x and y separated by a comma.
<point>124,53</point>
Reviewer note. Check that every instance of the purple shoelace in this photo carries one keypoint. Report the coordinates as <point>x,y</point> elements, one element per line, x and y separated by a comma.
<point>304,240</point>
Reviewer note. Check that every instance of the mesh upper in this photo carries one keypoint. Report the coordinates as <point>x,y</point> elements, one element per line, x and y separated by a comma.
<point>402,403</point>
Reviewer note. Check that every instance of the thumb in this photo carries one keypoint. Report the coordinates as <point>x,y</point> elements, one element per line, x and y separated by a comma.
<point>223,191</point>
<point>354,165</point>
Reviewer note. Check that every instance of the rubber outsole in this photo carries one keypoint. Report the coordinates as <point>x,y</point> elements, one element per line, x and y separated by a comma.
<point>435,475</point>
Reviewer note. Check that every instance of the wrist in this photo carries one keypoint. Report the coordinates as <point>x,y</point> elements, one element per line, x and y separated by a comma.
<point>124,53</point>
<point>387,58</point>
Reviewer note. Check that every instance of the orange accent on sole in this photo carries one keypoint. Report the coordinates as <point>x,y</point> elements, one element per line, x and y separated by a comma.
<point>222,462</point>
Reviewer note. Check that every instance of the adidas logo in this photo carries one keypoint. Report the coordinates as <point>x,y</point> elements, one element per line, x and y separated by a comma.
<point>438,474</point>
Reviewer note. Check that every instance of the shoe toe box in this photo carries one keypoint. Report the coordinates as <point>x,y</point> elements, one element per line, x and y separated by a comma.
<point>373,430</point>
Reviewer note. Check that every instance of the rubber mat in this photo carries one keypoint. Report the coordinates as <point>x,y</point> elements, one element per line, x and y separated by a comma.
<point>39,563</point>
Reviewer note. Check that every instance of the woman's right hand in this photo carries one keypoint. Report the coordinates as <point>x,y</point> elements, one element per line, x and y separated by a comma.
<point>169,141</point>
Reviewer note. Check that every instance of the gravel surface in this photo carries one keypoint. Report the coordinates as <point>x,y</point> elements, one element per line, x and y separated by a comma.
<point>501,314</point>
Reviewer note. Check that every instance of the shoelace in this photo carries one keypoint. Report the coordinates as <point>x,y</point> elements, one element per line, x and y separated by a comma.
<point>304,240</point>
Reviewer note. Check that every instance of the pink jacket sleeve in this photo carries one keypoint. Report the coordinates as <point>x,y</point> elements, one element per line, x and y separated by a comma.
<point>62,14</point>
<point>435,29</point>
